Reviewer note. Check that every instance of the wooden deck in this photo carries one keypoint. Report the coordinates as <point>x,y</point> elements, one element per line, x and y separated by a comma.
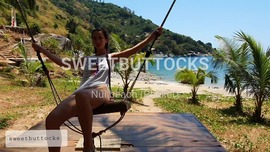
<point>146,132</point>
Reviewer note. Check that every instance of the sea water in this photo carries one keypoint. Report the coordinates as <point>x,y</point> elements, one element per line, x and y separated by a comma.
<point>166,68</point>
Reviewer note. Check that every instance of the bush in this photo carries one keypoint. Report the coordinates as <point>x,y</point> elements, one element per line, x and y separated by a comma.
<point>52,45</point>
<point>35,29</point>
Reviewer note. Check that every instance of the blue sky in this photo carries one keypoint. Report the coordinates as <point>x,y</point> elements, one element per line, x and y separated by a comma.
<point>202,20</point>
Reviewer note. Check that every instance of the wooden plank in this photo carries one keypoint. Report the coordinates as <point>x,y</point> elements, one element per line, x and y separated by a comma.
<point>166,130</point>
<point>185,138</point>
<point>139,124</point>
<point>157,117</point>
<point>159,135</point>
<point>177,138</point>
<point>113,144</point>
<point>163,136</point>
<point>170,143</point>
<point>147,132</point>
<point>122,130</point>
<point>167,117</point>
<point>173,149</point>
<point>149,129</point>
<point>106,121</point>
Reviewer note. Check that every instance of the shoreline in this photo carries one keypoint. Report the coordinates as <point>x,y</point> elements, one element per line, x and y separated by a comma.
<point>149,80</point>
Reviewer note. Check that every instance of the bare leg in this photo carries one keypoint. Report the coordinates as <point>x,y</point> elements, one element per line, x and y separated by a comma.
<point>86,101</point>
<point>85,116</point>
<point>82,105</point>
<point>65,110</point>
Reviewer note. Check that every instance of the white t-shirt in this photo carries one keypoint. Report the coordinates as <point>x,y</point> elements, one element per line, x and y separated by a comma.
<point>95,72</point>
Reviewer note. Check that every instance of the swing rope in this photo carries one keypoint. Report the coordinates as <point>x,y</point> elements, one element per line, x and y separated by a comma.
<point>148,53</point>
<point>44,68</point>
<point>58,98</point>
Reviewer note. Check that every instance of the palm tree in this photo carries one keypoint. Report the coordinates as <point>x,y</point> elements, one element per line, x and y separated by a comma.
<point>32,70</point>
<point>194,79</point>
<point>125,70</point>
<point>234,58</point>
<point>258,74</point>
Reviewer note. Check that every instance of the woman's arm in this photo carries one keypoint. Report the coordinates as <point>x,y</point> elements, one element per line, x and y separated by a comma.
<point>139,46</point>
<point>67,63</point>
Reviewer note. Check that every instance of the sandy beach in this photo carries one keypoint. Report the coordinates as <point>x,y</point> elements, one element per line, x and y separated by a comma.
<point>160,87</point>
<point>148,80</point>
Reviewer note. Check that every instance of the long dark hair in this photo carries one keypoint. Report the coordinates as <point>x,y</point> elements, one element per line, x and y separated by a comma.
<point>106,35</point>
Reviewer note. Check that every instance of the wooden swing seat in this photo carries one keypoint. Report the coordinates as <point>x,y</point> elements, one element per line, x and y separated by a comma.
<point>112,107</point>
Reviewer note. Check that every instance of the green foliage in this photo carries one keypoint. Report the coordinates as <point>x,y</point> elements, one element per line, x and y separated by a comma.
<point>52,45</point>
<point>6,37</point>
<point>244,144</point>
<point>32,70</point>
<point>3,122</point>
<point>35,29</point>
<point>125,68</point>
<point>268,52</point>
<point>25,4</point>
<point>235,59</point>
<point>236,132</point>
<point>55,26</point>
<point>257,76</point>
<point>194,79</point>
<point>247,67</point>
<point>117,43</point>
<point>80,37</point>
<point>130,28</point>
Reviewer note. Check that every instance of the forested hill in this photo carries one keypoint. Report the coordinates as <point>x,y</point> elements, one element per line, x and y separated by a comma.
<point>76,18</point>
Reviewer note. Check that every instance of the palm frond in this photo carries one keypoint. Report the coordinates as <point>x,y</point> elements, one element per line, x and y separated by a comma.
<point>229,84</point>
<point>212,75</point>
<point>116,42</point>
<point>228,54</point>
<point>258,78</point>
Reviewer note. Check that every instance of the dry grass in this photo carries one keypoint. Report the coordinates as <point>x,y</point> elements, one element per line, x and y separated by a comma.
<point>21,107</point>
<point>235,131</point>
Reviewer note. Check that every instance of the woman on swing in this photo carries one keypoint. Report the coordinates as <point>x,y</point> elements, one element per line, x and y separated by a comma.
<point>93,90</point>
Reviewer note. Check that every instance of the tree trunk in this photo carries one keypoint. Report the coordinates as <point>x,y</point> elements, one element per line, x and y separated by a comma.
<point>238,103</point>
<point>125,90</point>
<point>194,99</point>
<point>258,111</point>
